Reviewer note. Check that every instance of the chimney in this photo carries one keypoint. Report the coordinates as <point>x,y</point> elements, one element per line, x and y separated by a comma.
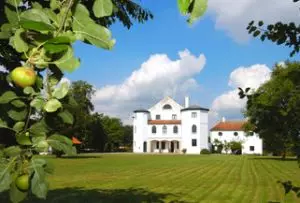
<point>186,102</point>
<point>223,119</point>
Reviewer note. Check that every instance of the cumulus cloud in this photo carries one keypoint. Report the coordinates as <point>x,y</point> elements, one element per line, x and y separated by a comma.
<point>157,77</point>
<point>233,16</point>
<point>229,104</point>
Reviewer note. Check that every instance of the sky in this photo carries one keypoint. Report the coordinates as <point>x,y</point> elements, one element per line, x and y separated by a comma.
<point>165,56</point>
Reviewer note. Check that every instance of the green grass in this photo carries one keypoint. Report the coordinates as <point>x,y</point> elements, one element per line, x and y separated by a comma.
<point>171,178</point>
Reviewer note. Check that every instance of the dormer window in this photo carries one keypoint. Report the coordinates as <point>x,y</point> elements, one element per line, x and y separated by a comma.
<point>157,117</point>
<point>167,106</point>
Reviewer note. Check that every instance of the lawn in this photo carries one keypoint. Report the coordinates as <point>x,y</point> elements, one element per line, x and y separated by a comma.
<point>170,178</point>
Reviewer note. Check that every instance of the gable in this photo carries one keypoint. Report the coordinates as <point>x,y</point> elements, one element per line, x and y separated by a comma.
<point>166,103</point>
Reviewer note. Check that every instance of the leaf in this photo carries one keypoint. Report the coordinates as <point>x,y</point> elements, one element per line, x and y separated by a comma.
<point>256,33</point>
<point>37,103</point>
<point>18,103</point>
<point>3,124</point>
<point>61,143</point>
<point>67,117</point>
<point>12,151</point>
<point>18,43</point>
<point>55,48</point>
<point>5,177</point>
<point>28,90</point>
<point>61,91</point>
<point>35,25</point>
<point>7,96</point>
<point>5,35</point>
<point>40,143</point>
<point>54,4</point>
<point>14,3</point>
<point>102,8</point>
<point>67,62</point>
<point>60,40</point>
<point>11,16</point>
<point>17,115</point>
<point>35,15</point>
<point>183,6</point>
<point>39,186</point>
<point>52,105</point>
<point>19,126</point>
<point>23,139</point>
<point>15,194</point>
<point>198,10</point>
<point>39,129</point>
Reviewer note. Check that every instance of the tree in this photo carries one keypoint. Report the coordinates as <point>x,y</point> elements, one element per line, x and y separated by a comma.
<point>287,34</point>
<point>274,109</point>
<point>226,146</point>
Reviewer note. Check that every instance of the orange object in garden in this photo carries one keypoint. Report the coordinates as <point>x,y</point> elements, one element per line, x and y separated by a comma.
<point>75,140</point>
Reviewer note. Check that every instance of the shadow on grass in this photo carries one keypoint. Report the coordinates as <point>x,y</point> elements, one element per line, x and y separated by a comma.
<point>80,157</point>
<point>276,158</point>
<point>80,195</point>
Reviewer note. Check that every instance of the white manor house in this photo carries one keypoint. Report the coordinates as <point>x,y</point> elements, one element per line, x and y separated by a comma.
<point>168,127</point>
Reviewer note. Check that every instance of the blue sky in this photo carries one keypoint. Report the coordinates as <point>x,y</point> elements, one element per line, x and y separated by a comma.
<point>168,33</point>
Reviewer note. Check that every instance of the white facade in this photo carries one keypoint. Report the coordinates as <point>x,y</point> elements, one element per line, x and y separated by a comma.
<point>168,127</point>
<point>251,144</point>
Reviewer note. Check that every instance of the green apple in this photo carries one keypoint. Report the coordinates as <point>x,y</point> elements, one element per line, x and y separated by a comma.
<point>23,76</point>
<point>22,182</point>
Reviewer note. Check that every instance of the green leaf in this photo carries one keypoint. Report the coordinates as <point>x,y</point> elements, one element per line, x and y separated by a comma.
<point>40,143</point>
<point>198,10</point>
<point>3,124</point>
<point>23,139</point>
<point>39,186</point>
<point>14,3</point>
<point>183,6</point>
<point>28,90</point>
<point>15,194</point>
<point>19,126</point>
<point>12,16</point>
<point>39,129</point>
<point>35,15</point>
<point>61,143</point>
<point>17,115</point>
<point>12,151</point>
<point>5,177</point>
<point>18,103</point>
<point>35,25</point>
<point>60,40</point>
<point>18,43</point>
<point>7,96</point>
<point>37,103</point>
<point>37,5</point>
<point>102,8</point>
<point>5,35</point>
<point>67,117</point>
<point>55,48</point>
<point>52,105</point>
<point>54,4</point>
<point>61,91</point>
<point>67,62</point>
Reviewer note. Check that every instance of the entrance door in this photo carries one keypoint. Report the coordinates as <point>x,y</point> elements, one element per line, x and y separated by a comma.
<point>172,146</point>
<point>145,146</point>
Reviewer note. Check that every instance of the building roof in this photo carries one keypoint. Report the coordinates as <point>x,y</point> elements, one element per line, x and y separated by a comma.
<point>194,107</point>
<point>229,126</point>
<point>162,122</point>
<point>141,111</point>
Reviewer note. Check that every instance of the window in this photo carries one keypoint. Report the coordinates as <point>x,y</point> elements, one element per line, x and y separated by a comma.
<point>174,116</point>
<point>194,142</point>
<point>164,129</point>
<point>194,114</point>
<point>236,133</point>
<point>153,129</point>
<point>175,129</point>
<point>157,117</point>
<point>157,145</point>
<point>177,145</point>
<point>163,145</point>
<point>251,148</point>
<point>167,106</point>
<point>220,133</point>
<point>194,128</point>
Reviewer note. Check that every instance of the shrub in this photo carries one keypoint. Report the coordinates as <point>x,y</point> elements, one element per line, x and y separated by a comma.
<point>205,151</point>
<point>183,150</point>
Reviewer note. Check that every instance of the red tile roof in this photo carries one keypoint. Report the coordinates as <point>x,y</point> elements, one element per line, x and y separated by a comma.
<point>229,126</point>
<point>75,140</point>
<point>162,122</point>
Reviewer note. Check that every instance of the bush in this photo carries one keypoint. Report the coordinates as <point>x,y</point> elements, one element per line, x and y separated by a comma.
<point>183,150</point>
<point>205,151</point>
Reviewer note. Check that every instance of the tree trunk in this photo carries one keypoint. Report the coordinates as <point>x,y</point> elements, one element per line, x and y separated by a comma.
<point>283,154</point>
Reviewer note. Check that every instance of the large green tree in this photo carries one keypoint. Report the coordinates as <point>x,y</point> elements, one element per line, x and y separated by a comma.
<point>273,110</point>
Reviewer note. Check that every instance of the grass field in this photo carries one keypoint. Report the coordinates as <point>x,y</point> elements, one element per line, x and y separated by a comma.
<point>170,178</point>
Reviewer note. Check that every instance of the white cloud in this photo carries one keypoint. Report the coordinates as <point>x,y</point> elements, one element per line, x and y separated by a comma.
<point>157,77</point>
<point>229,104</point>
<point>233,16</point>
